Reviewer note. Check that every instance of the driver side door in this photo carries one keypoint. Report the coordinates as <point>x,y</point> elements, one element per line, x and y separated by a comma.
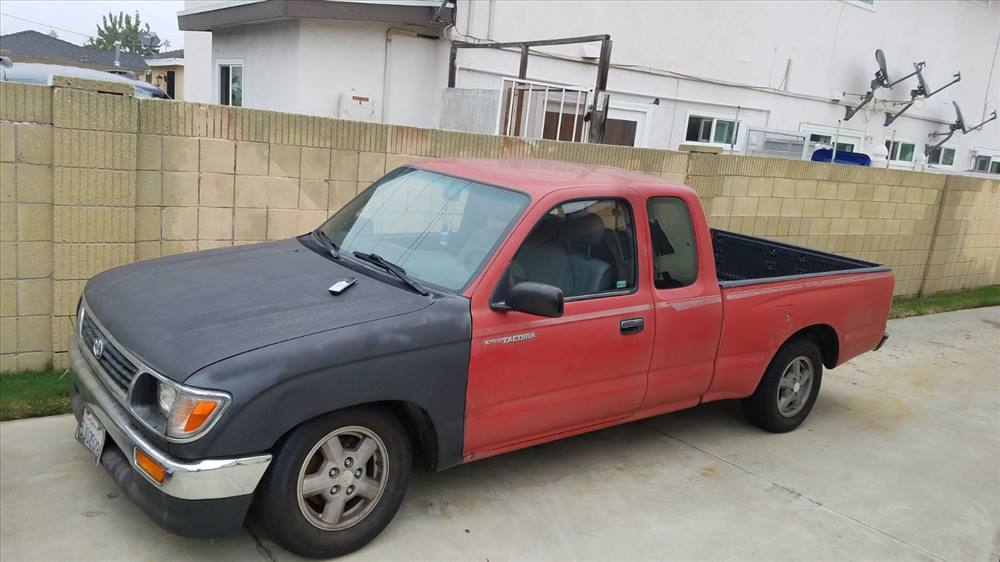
<point>534,379</point>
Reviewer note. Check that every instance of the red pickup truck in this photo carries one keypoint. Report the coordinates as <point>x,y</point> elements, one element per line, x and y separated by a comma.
<point>454,310</point>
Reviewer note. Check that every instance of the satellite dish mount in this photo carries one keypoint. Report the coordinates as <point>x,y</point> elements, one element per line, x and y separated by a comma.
<point>881,81</point>
<point>922,90</point>
<point>958,125</point>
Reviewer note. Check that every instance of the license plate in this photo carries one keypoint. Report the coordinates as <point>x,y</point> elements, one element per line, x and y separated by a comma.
<point>91,433</point>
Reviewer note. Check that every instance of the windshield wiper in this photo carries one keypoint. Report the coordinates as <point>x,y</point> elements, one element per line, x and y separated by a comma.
<point>399,272</point>
<point>331,246</point>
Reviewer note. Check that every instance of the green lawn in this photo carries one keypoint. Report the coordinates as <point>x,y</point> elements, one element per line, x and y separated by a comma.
<point>943,302</point>
<point>30,394</point>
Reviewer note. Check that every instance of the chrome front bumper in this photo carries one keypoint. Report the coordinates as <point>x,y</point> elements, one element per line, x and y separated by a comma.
<point>198,480</point>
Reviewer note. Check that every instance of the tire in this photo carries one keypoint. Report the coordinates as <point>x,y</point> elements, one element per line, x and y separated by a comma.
<point>309,459</point>
<point>781,407</point>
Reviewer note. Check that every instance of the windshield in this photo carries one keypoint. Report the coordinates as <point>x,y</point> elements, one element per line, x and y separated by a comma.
<point>440,229</point>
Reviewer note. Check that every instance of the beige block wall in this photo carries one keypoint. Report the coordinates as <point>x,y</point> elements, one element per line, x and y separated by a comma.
<point>91,181</point>
<point>966,243</point>
<point>26,227</point>
<point>883,216</point>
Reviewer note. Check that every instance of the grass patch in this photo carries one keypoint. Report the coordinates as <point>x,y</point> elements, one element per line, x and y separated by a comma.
<point>944,302</point>
<point>29,394</point>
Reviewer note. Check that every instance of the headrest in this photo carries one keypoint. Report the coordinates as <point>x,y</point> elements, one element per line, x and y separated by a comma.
<point>547,230</point>
<point>586,228</point>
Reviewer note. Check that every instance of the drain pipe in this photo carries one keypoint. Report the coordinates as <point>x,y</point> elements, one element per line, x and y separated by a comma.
<point>386,66</point>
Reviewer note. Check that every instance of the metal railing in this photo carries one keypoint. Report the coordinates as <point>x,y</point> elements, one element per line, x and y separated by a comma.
<point>534,110</point>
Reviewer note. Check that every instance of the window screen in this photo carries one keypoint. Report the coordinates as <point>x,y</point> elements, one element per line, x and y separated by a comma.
<point>675,255</point>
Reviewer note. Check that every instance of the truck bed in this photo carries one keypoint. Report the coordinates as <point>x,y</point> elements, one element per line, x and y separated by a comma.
<point>744,260</point>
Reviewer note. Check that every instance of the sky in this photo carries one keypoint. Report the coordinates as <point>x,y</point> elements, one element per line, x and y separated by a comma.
<point>74,20</point>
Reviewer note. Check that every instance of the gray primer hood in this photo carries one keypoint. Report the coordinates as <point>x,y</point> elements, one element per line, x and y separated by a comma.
<point>183,312</point>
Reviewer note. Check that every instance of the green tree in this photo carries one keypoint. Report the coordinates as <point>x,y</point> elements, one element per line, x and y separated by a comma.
<point>133,35</point>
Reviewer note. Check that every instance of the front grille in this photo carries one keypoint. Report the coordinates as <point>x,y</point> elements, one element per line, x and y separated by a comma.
<point>118,369</point>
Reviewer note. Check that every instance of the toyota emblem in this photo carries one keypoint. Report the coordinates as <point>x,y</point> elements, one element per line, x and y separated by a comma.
<point>98,348</point>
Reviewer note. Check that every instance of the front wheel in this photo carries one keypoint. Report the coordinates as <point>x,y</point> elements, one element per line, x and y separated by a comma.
<point>788,389</point>
<point>336,482</point>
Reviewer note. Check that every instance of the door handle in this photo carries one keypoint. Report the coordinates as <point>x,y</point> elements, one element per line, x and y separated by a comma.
<point>632,326</point>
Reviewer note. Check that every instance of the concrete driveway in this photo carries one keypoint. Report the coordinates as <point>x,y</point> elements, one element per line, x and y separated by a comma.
<point>898,461</point>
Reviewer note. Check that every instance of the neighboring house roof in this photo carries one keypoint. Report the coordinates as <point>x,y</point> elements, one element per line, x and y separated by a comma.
<point>168,58</point>
<point>175,54</point>
<point>33,46</point>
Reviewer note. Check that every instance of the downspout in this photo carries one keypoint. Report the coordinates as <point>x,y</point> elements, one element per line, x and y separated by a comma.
<point>489,29</point>
<point>385,67</point>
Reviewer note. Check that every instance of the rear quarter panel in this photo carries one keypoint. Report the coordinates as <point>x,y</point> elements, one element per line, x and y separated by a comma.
<point>758,319</point>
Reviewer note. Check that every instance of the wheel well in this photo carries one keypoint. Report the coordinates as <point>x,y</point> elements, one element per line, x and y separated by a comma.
<point>826,337</point>
<point>420,428</point>
<point>415,421</point>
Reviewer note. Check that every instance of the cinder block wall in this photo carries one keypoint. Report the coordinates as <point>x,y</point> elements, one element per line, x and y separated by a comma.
<point>26,227</point>
<point>884,216</point>
<point>95,180</point>
<point>965,249</point>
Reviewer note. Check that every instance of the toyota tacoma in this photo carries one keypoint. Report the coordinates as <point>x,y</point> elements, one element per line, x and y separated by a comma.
<point>454,310</point>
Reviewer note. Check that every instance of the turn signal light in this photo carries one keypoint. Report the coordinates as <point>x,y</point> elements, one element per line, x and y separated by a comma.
<point>191,414</point>
<point>200,414</point>
<point>146,463</point>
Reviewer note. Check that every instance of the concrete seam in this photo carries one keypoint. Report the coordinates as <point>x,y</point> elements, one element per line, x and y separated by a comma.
<point>798,494</point>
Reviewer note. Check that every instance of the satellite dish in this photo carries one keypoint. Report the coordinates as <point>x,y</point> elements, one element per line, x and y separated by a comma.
<point>922,87</point>
<point>961,120</point>
<point>922,90</point>
<point>881,81</point>
<point>882,68</point>
<point>149,40</point>
<point>959,124</point>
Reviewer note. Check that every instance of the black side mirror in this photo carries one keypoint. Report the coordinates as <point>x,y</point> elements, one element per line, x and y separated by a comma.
<point>536,298</point>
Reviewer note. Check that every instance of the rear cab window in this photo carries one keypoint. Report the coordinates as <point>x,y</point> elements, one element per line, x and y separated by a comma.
<point>584,247</point>
<point>675,253</point>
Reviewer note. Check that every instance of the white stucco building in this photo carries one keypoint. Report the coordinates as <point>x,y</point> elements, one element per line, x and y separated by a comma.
<point>682,73</point>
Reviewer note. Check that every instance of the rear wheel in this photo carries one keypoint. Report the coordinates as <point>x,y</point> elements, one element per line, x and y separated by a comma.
<point>336,482</point>
<point>788,389</point>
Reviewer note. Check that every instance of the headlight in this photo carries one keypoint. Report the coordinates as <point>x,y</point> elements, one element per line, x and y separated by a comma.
<point>166,394</point>
<point>179,412</point>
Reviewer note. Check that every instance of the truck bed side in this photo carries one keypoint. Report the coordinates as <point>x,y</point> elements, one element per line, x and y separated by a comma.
<point>848,308</point>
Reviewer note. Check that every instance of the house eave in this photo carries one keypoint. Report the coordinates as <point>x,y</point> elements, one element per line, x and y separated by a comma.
<point>234,13</point>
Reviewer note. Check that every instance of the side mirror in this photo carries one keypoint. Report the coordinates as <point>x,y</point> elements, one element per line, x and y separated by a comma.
<point>536,298</point>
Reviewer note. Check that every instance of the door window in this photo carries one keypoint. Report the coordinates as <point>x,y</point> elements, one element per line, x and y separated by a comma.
<point>675,256</point>
<point>583,247</point>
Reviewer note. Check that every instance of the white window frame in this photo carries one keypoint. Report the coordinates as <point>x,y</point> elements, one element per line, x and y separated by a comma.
<point>954,157</point>
<point>217,79</point>
<point>641,126</point>
<point>852,136</point>
<point>895,161</point>
<point>979,152</point>
<point>714,117</point>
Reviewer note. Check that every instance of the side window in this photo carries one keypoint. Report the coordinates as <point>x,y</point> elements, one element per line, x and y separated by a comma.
<point>582,247</point>
<point>675,256</point>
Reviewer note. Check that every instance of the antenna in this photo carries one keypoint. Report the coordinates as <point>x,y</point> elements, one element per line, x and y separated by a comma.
<point>881,81</point>
<point>958,125</point>
<point>922,90</point>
